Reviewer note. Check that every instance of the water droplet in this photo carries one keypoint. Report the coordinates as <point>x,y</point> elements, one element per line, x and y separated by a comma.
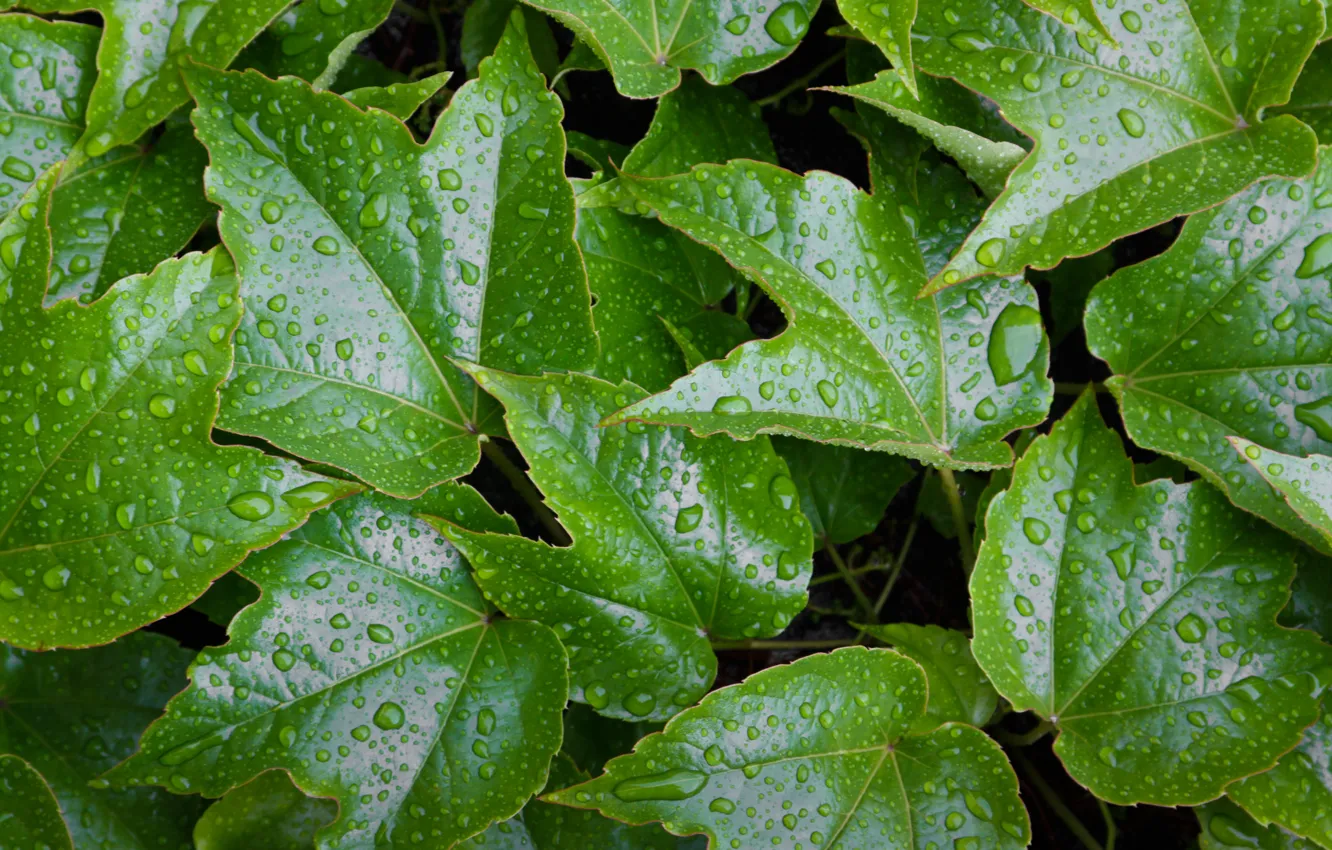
<point>319,580</point>
<point>1023,605</point>
<point>596,695</point>
<point>1037,531</point>
<point>1014,343</point>
<point>986,410</point>
<point>532,213</point>
<point>1132,123</point>
<point>1124,560</point>
<point>1031,82</point>
<point>688,518</point>
<point>471,273</point>
<point>326,245</point>
<point>271,211</point>
<point>389,716</point>
<point>379,633</point>
<point>1229,55</point>
<point>827,268</point>
<point>782,490</point>
<point>1131,21</point>
<point>1317,257</point>
<point>670,785</point>
<point>738,25</point>
<point>345,348</point>
<point>56,578</point>
<point>284,660</point>
<point>192,749</point>
<point>18,169</point>
<point>722,806</point>
<point>195,363</point>
<point>787,24</point>
<point>641,703</point>
<point>307,497</point>
<point>251,506</point>
<point>827,392</point>
<point>1191,628</point>
<point>990,253</point>
<point>485,125</point>
<point>162,406</point>
<point>731,404</point>
<point>969,42</point>
<point>376,210</point>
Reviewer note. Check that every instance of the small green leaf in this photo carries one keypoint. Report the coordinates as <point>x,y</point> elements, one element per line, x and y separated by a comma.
<point>817,754</point>
<point>266,812</point>
<point>371,638</point>
<point>1140,621</point>
<point>1297,793</point>
<point>1311,100</point>
<point>124,212</point>
<point>887,24</point>
<point>1310,604</point>
<point>932,502</point>
<point>313,39</point>
<point>116,507</point>
<point>461,248</point>
<point>1305,484</point>
<point>675,539</point>
<point>483,25</point>
<point>144,47</point>
<point>359,72</point>
<point>843,491</point>
<point>1080,15</point>
<point>959,691</point>
<point>41,122</point>
<point>401,100</point>
<point>863,362</point>
<point>73,715</point>
<point>1229,333</point>
<point>646,44</point>
<point>1125,137</point>
<point>28,810</point>
<point>1225,826</point>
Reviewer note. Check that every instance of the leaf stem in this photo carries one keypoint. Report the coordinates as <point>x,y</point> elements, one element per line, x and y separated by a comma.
<point>527,490</point>
<point>1023,739</point>
<point>866,606</point>
<point>804,81</point>
<point>1111,831</point>
<point>960,523</point>
<point>897,567</point>
<point>1056,805</point>
<point>720,645</point>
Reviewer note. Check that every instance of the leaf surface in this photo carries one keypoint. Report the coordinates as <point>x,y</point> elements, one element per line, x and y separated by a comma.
<point>817,753</point>
<point>1311,99</point>
<point>72,715</point>
<point>371,638</point>
<point>958,689</point>
<point>647,44</point>
<point>888,26</point>
<point>1079,15</point>
<point>1305,484</point>
<point>116,507</point>
<point>843,492</point>
<point>675,539</point>
<point>312,39</point>
<point>862,362</point>
<point>401,100</point>
<point>1297,793</point>
<point>1229,333</point>
<point>370,260</point>
<point>1141,621</point>
<point>267,812</point>
<point>1128,137</point>
<point>28,810</point>
<point>1225,826</point>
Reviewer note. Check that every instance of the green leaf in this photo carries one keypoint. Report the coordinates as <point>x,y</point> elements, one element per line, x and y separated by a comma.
<point>313,39</point>
<point>959,691</point>
<point>124,212</point>
<point>817,754</point>
<point>1311,100</point>
<point>1071,284</point>
<point>461,248</point>
<point>116,507</point>
<point>1297,793</point>
<point>267,812</point>
<point>599,155</point>
<point>646,44</point>
<point>41,122</point>
<point>483,25</point>
<point>1225,826</point>
<point>1079,15</point>
<point>1305,484</point>
<point>1125,138</point>
<point>143,49</point>
<point>359,72</point>
<point>888,26</point>
<point>1140,621</point>
<point>1310,594</point>
<point>1227,333</point>
<point>401,100</point>
<point>863,362</point>
<point>954,119</point>
<point>591,740</point>
<point>371,638</point>
<point>998,483</point>
<point>843,492</point>
<point>932,502</point>
<point>73,715</point>
<point>28,810</point>
<point>675,539</point>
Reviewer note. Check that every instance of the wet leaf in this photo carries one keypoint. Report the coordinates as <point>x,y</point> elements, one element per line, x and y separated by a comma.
<point>887,25</point>
<point>116,507</point>
<point>225,598</point>
<point>843,491</point>
<point>1080,16</point>
<point>1305,485</point>
<point>401,100</point>
<point>675,539</point>
<point>313,39</point>
<point>862,362</point>
<point>371,637</point>
<point>1311,100</point>
<point>73,715</point>
<point>266,812</point>
<point>28,810</point>
<point>483,25</point>
<point>1225,826</point>
<point>647,44</point>
<point>461,248</point>
<point>959,691</point>
<point>817,753</point>
<point>1140,621</point>
<point>1297,793</point>
<point>1229,333</point>
<point>1128,137</point>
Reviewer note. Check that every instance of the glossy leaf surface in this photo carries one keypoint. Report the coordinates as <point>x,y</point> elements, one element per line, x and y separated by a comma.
<point>40,123</point>
<point>817,753</point>
<point>1305,484</point>
<point>73,715</point>
<point>116,507</point>
<point>1125,137</point>
<point>843,491</point>
<point>483,25</point>
<point>401,100</point>
<point>369,260</point>
<point>646,44</point>
<point>863,362</point>
<point>312,39</point>
<point>143,49</point>
<point>1141,621</point>
<point>888,26</point>
<point>1297,793</point>
<point>371,635</point>
<point>29,813</point>
<point>675,539</point>
<point>1079,15</point>
<point>958,689</point>
<point>267,812</point>
<point>1229,333</point>
<point>1225,826</point>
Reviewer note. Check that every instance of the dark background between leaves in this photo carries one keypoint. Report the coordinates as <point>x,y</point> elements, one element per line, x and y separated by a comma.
<point>932,586</point>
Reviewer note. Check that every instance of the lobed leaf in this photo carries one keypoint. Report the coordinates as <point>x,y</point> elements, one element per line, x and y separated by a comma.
<point>1225,826</point>
<point>959,691</point>
<point>1297,793</point>
<point>1305,485</point>
<point>1311,99</point>
<point>313,39</point>
<point>28,810</point>
<point>888,26</point>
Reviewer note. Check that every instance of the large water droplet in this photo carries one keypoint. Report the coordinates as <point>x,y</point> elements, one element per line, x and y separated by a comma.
<point>782,490</point>
<point>787,24</point>
<point>307,497</point>
<point>1132,123</point>
<point>1191,628</point>
<point>326,245</point>
<point>389,716</point>
<point>670,785</point>
<point>688,518</point>
<point>1317,415</point>
<point>1317,257</point>
<point>990,253</point>
<point>251,506</point>
<point>1124,560</point>
<point>376,210</point>
<point>162,406</point>
<point>729,404</point>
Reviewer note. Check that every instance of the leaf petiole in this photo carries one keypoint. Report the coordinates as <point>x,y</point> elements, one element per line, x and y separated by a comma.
<point>960,522</point>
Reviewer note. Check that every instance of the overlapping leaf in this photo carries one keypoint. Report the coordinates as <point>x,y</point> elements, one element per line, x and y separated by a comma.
<point>1297,793</point>
<point>1229,333</point>
<point>369,260</point>
<point>72,715</point>
<point>1080,15</point>
<point>143,48</point>
<point>266,812</point>
<point>888,26</point>
<point>29,812</point>
<point>959,691</point>
<point>646,44</point>
<point>675,539</point>
<point>1140,620</point>
<point>843,491</point>
<point>817,753</point>
<point>1165,124</point>
<point>371,670</point>
<point>116,507</point>
<point>1305,485</point>
<point>49,67</point>
<point>1311,100</point>
<point>1225,826</point>
<point>401,100</point>
<point>483,24</point>
<point>863,361</point>
<point>312,39</point>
